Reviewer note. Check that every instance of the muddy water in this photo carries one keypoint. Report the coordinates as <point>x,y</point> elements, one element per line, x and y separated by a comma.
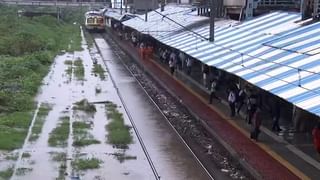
<point>171,158</point>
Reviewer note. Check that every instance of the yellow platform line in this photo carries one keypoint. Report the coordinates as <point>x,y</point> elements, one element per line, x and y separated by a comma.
<point>267,149</point>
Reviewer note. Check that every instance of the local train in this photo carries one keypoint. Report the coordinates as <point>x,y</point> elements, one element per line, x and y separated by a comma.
<point>95,21</point>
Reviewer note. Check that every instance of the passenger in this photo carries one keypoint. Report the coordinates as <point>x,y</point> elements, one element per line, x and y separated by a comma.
<point>213,90</point>
<point>182,58</point>
<point>316,137</point>
<point>252,103</point>
<point>134,40</point>
<point>142,50</point>
<point>172,66</point>
<point>205,72</point>
<point>276,109</point>
<point>232,101</point>
<point>241,98</point>
<point>189,65</point>
<point>257,119</point>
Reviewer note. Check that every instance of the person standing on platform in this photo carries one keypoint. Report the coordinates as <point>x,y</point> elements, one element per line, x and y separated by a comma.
<point>241,99</point>
<point>276,109</point>
<point>252,103</point>
<point>205,72</point>
<point>189,65</point>
<point>213,90</point>
<point>232,101</point>
<point>257,119</point>
<point>171,66</point>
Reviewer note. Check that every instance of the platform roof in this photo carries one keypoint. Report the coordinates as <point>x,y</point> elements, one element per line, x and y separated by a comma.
<point>274,52</point>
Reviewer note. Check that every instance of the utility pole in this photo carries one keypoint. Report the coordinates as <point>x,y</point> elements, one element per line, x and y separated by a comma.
<point>126,6</point>
<point>162,5</point>
<point>121,7</point>
<point>212,16</point>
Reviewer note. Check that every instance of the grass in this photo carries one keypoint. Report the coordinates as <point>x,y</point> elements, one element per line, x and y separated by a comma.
<point>85,141</point>
<point>26,155</point>
<point>39,121</point>
<point>13,129</point>
<point>69,71</point>
<point>62,158</point>
<point>89,38</point>
<point>68,62</point>
<point>69,67</point>
<point>59,136</point>
<point>118,133</point>
<point>23,171</point>
<point>12,157</point>
<point>81,136</point>
<point>62,170</point>
<point>84,164</point>
<point>80,125</point>
<point>85,106</point>
<point>97,69</point>
<point>6,174</point>
<point>27,49</point>
<point>121,157</point>
<point>78,69</point>
<point>58,156</point>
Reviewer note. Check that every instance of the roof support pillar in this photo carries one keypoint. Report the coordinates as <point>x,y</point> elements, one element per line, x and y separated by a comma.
<point>212,16</point>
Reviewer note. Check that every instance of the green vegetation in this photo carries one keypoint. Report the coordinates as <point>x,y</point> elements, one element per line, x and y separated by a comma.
<point>80,125</point>
<point>62,171</point>
<point>13,129</point>
<point>12,156</point>
<point>27,49</point>
<point>121,157</point>
<point>69,68</point>
<point>97,69</point>
<point>89,38</point>
<point>6,174</point>
<point>68,62</point>
<point>39,121</point>
<point>26,155</point>
<point>81,136</point>
<point>78,69</point>
<point>59,136</point>
<point>60,157</point>
<point>84,164</point>
<point>118,133</point>
<point>85,106</point>
<point>23,171</point>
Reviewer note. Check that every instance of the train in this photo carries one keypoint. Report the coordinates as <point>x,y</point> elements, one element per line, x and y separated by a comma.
<point>95,21</point>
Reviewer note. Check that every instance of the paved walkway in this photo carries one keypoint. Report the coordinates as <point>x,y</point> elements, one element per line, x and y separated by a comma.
<point>269,159</point>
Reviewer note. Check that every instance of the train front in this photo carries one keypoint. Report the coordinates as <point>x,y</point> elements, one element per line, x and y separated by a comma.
<point>94,21</point>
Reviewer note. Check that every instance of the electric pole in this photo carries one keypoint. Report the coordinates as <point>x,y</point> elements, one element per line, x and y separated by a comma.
<point>212,16</point>
<point>121,7</point>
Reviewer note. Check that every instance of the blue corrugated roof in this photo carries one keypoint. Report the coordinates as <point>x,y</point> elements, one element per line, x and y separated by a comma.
<point>272,51</point>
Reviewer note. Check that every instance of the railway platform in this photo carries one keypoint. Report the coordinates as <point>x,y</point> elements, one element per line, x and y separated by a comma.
<point>269,158</point>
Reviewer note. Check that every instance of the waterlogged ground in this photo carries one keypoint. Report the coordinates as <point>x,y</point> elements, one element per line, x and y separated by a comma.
<point>65,141</point>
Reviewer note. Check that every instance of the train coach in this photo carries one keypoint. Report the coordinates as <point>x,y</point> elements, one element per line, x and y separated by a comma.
<point>94,21</point>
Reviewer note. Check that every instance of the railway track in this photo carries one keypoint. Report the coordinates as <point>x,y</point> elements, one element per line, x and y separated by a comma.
<point>118,52</point>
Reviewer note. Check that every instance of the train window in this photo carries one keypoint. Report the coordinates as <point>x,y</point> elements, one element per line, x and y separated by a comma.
<point>100,20</point>
<point>90,20</point>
